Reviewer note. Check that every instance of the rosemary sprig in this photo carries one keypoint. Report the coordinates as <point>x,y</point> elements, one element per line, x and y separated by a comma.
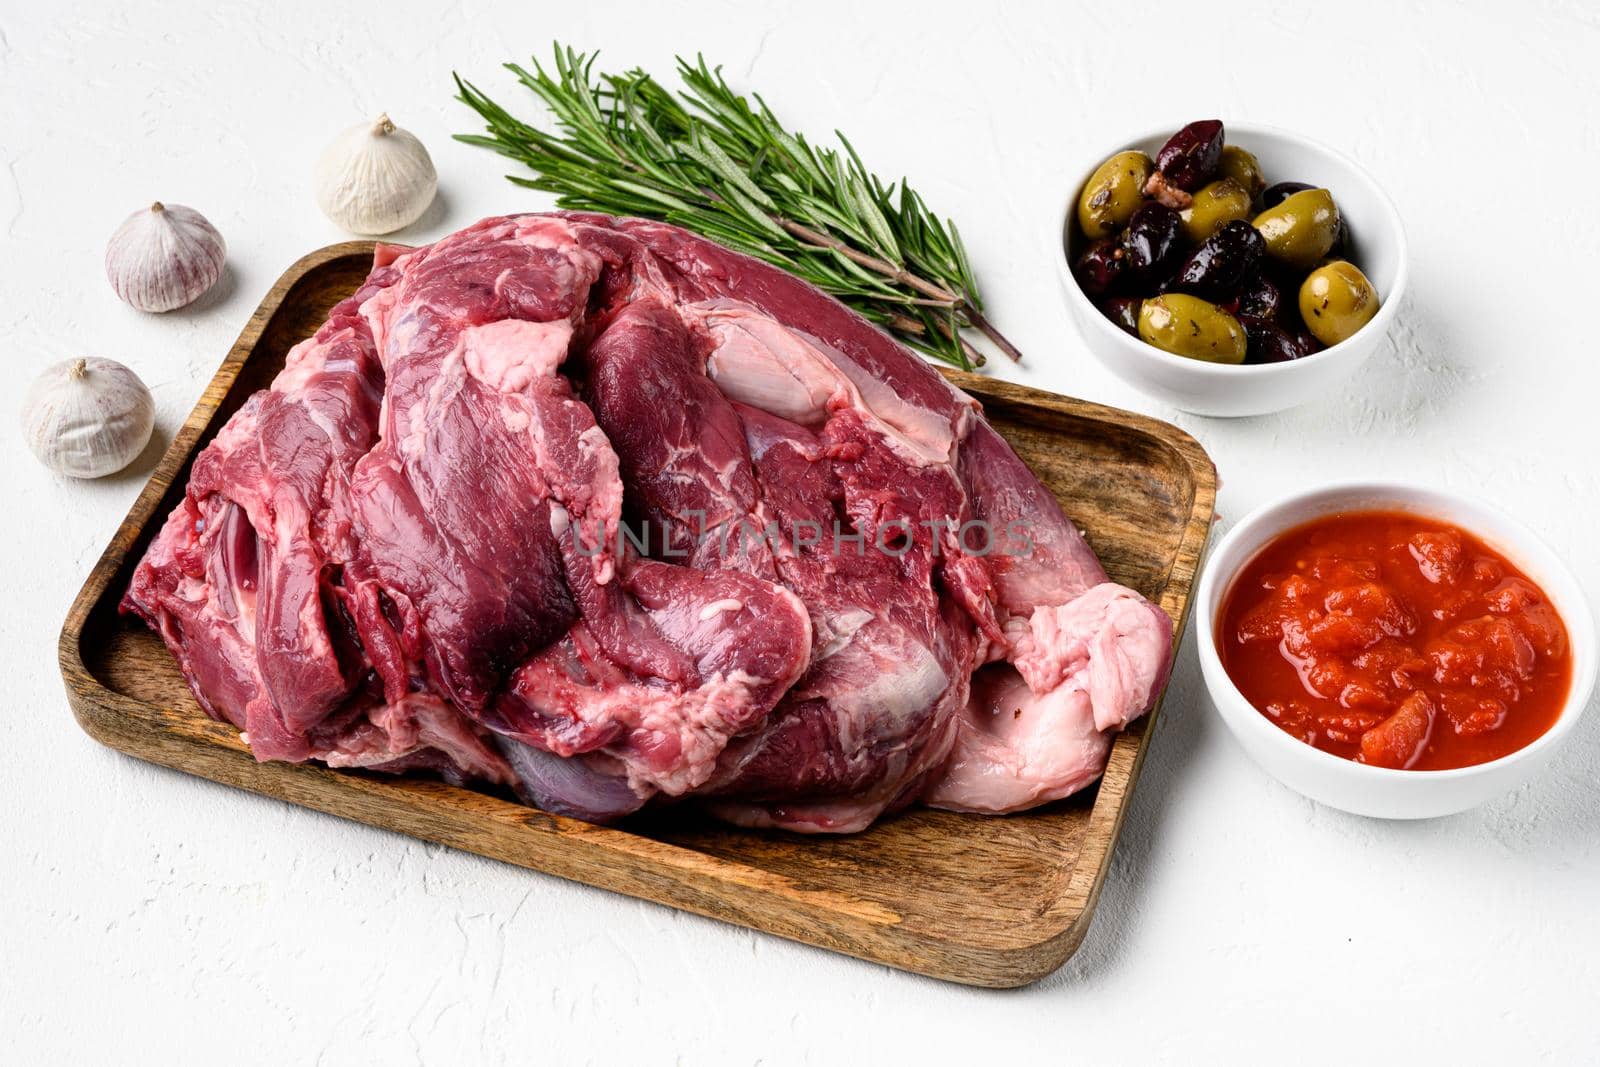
<point>721,164</point>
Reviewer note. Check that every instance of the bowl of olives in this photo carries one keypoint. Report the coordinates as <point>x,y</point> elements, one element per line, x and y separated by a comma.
<point>1230,272</point>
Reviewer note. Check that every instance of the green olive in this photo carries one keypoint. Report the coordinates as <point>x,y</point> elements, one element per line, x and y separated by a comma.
<point>1188,326</point>
<point>1302,229</point>
<point>1336,300</point>
<point>1244,168</point>
<point>1113,193</point>
<point>1214,207</point>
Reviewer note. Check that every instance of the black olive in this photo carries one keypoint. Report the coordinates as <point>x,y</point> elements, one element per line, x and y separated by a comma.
<point>1277,194</point>
<point>1219,268</point>
<point>1190,157</point>
<point>1269,342</point>
<point>1101,266</point>
<point>1124,311</point>
<point>1152,241</point>
<point>1309,345</point>
<point>1261,297</point>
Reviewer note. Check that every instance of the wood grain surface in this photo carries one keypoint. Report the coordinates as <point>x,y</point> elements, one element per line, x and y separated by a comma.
<point>985,901</point>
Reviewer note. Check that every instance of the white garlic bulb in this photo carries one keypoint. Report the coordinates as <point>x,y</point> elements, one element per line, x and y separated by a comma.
<point>164,257</point>
<point>88,417</point>
<point>375,178</point>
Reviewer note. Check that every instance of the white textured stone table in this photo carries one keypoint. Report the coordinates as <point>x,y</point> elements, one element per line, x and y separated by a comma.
<point>150,917</point>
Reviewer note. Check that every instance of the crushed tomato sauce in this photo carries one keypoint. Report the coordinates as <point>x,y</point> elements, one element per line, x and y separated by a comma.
<point>1395,640</point>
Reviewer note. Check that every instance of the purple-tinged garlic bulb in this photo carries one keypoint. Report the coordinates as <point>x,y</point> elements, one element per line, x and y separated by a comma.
<point>164,257</point>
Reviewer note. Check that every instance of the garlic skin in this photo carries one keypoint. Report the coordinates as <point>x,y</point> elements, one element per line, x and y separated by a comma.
<point>87,418</point>
<point>164,257</point>
<point>375,178</point>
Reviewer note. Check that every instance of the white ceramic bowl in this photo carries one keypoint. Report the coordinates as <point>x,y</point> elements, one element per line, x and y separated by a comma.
<point>1379,791</point>
<point>1378,247</point>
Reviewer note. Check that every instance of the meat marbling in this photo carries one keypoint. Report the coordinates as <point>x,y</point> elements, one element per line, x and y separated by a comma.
<point>599,510</point>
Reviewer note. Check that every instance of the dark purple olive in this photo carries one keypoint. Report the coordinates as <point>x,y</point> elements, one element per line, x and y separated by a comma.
<point>1269,342</point>
<point>1309,345</point>
<point>1101,266</point>
<point>1169,284</point>
<point>1189,158</point>
<point>1260,297</point>
<point>1219,268</point>
<point>1277,194</point>
<point>1152,241</point>
<point>1124,311</point>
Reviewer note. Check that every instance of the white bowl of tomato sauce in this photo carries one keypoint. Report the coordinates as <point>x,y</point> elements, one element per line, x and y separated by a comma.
<point>1394,650</point>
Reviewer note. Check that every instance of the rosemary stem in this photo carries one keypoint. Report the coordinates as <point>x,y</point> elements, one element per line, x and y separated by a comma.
<point>942,296</point>
<point>974,357</point>
<point>985,327</point>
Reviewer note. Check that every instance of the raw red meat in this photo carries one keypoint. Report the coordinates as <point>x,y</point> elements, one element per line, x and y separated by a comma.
<point>602,511</point>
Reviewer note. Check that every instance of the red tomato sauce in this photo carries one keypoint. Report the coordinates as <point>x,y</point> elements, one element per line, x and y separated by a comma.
<point>1395,640</point>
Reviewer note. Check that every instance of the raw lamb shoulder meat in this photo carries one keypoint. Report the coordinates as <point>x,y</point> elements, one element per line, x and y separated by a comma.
<point>600,511</point>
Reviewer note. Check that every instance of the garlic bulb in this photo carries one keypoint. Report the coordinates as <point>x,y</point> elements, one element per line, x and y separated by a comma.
<point>375,178</point>
<point>88,417</point>
<point>164,257</point>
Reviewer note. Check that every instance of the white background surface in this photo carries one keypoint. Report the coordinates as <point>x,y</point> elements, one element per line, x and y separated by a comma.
<point>148,916</point>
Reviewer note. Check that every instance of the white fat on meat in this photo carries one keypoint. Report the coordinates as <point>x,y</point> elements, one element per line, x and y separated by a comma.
<point>1109,643</point>
<point>508,355</point>
<point>758,361</point>
<point>1016,749</point>
<point>718,607</point>
<point>1039,728</point>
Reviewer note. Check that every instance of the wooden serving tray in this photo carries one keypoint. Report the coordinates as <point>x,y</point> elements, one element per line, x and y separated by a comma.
<point>986,901</point>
